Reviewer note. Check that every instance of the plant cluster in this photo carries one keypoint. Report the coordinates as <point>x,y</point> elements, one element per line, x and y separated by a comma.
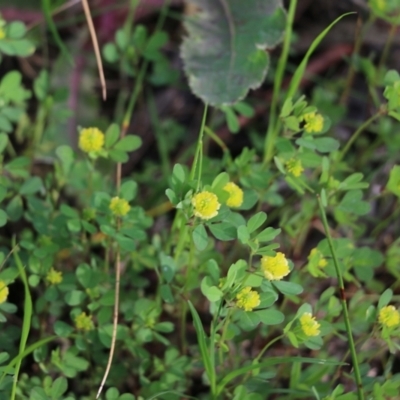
<point>257,274</point>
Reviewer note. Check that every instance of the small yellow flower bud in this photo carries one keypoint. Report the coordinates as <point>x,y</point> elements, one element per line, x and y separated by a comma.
<point>205,205</point>
<point>309,325</point>
<point>294,167</point>
<point>91,140</point>
<point>3,292</point>
<point>247,299</point>
<point>84,322</point>
<point>275,268</point>
<point>235,195</point>
<point>314,123</point>
<point>54,277</point>
<point>389,316</point>
<point>119,207</point>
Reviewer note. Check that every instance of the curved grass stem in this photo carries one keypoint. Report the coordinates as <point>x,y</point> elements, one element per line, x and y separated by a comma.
<point>343,300</point>
<point>273,123</point>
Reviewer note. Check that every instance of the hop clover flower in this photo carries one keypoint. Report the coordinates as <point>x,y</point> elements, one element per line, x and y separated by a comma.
<point>275,268</point>
<point>2,33</point>
<point>54,277</point>
<point>309,325</point>
<point>294,167</point>
<point>84,322</point>
<point>247,299</point>
<point>235,195</point>
<point>3,292</point>
<point>317,255</point>
<point>119,207</point>
<point>205,205</point>
<point>91,140</point>
<point>389,316</point>
<point>314,122</point>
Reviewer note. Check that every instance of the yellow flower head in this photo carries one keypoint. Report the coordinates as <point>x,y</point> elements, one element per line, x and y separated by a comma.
<point>294,167</point>
<point>235,195</point>
<point>315,254</point>
<point>275,268</point>
<point>309,325</point>
<point>91,140</point>
<point>314,122</point>
<point>2,33</point>
<point>84,322</point>
<point>205,205</point>
<point>247,299</point>
<point>3,292</point>
<point>389,316</point>
<point>119,207</point>
<point>54,277</point>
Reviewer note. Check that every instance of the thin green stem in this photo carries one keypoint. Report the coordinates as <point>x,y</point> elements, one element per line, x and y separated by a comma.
<point>26,323</point>
<point>161,139</point>
<point>273,123</point>
<point>386,49</point>
<point>357,133</point>
<point>198,158</point>
<point>352,347</point>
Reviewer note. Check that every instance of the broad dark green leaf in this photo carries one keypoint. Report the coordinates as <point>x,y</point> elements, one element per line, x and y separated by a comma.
<point>224,54</point>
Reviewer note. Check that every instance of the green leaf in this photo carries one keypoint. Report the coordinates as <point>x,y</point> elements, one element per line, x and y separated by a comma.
<point>112,135</point>
<point>31,186</point>
<point>353,182</point>
<point>86,276</point>
<point>352,203</point>
<point>166,293</point>
<point>14,208</point>
<point>118,156</point>
<point>200,237</point>
<point>394,181</point>
<point>288,288</point>
<point>16,30</point>
<point>385,298</point>
<point>224,53</point>
<point>128,190</point>
<point>223,231</point>
<point>326,144</point>
<point>74,297</point>
<point>66,156</point>
<point>270,316</point>
<point>3,142</point>
<point>243,234</point>
<point>248,320</point>
<point>202,341</point>
<point>59,387</point>
<point>256,221</point>
<point>110,52</point>
<point>129,143</point>
<point>62,329</point>
<point>3,218</point>
<point>268,234</point>
<point>41,85</point>
<point>210,291</point>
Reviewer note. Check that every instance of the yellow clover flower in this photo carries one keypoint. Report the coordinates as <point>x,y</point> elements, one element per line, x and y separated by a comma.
<point>119,207</point>
<point>322,262</point>
<point>275,268</point>
<point>3,292</point>
<point>294,167</point>
<point>389,316</point>
<point>91,140</point>
<point>2,33</point>
<point>247,299</point>
<point>309,325</point>
<point>235,195</point>
<point>84,322</point>
<point>205,205</point>
<point>54,277</point>
<point>314,122</point>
